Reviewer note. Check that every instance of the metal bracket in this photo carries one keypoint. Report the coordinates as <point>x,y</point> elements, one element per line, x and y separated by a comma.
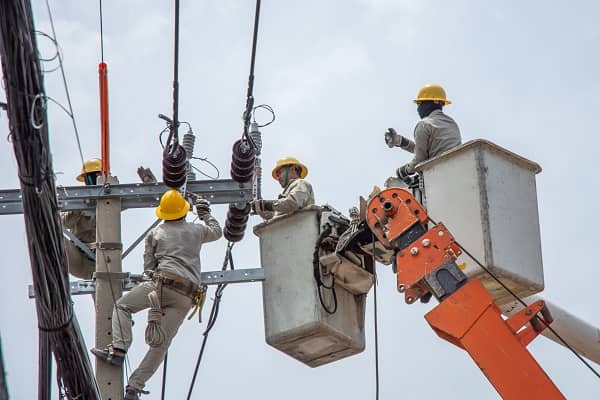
<point>132,280</point>
<point>109,246</point>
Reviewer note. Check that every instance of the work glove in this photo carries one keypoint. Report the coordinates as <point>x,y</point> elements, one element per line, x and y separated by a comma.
<point>402,172</point>
<point>393,139</point>
<point>258,206</point>
<point>202,208</point>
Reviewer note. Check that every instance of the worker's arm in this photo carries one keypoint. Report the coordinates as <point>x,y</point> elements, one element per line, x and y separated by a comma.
<point>299,196</point>
<point>150,261</point>
<point>421,149</point>
<point>211,230</point>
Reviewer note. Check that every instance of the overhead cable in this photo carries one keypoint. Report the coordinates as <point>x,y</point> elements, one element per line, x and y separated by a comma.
<point>214,313</point>
<point>64,78</point>
<point>23,84</point>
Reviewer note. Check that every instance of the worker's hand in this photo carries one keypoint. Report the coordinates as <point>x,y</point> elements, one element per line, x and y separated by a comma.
<point>393,139</point>
<point>259,206</point>
<point>202,208</point>
<point>390,137</point>
<point>402,172</point>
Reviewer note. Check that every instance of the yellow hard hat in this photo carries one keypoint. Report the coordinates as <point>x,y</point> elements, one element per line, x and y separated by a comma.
<point>91,165</point>
<point>282,162</point>
<point>172,206</point>
<point>432,92</point>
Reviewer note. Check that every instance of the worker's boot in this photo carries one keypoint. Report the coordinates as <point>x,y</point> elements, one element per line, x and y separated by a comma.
<point>110,355</point>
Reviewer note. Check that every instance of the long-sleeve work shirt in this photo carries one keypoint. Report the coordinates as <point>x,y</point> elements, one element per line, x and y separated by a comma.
<point>81,223</point>
<point>298,194</point>
<point>434,135</point>
<point>174,247</point>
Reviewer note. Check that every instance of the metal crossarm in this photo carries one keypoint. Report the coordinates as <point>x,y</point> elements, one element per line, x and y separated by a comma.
<point>136,195</point>
<point>208,278</point>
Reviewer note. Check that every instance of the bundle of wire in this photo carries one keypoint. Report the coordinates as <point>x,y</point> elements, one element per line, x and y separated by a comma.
<point>29,134</point>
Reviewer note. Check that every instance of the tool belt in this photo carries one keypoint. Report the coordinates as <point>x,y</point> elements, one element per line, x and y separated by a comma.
<point>185,287</point>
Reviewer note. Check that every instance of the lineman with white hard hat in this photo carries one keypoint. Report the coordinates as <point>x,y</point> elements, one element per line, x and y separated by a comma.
<point>297,192</point>
<point>434,134</point>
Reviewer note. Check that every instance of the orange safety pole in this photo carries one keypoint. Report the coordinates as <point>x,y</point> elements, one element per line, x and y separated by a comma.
<point>103,76</point>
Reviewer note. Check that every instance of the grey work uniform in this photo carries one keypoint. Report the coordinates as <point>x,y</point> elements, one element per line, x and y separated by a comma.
<point>298,194</point>
<point>173,247</point>
<point>82,224</point>
<point>434,134</point>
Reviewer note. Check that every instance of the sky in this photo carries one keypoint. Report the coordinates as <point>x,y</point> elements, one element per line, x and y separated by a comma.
<point>338,74</point>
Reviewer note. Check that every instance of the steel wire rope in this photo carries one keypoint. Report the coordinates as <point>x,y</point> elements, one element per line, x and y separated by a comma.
<point>64,78</point>
<point>490,273</point>
<point>214,312</point>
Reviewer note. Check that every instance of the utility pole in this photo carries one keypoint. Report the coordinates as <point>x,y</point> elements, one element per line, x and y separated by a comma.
<point>109,286</point>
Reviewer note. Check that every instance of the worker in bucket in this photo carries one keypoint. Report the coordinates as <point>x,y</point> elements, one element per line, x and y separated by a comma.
<point>82,224</point>
<point>434,134</point>
<point>297,192</point>
<point>172,260</point>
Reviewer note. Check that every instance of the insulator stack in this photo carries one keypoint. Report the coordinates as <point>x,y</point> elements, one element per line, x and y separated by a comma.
<point>188,144</point>
<point>174,166</point>
<point>242,162</point>
<point>237,218</point>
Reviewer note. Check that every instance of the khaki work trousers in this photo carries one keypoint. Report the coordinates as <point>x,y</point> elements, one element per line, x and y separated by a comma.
<point>175,306</point>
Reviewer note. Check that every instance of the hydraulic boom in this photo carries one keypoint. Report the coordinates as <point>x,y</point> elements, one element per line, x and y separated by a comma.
<point>425,261</point>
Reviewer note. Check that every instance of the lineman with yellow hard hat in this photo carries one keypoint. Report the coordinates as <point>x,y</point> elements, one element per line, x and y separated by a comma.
<point>172,259</point>
<point>297,192</point>
<point>434,134</point>
<point>82,224</point>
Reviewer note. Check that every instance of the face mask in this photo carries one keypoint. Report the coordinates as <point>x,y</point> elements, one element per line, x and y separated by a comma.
<point>427,107</point>
<point>91,179</point>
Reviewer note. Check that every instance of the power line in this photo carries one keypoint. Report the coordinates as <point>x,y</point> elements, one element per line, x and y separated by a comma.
<point>64,78</point>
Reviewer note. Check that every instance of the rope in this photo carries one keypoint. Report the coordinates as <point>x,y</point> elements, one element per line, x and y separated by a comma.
<point>154,335</point>
<point>214,312</point>
<point>513,294</point>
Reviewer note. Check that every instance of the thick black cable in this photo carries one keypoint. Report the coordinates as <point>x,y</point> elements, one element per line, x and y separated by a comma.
<point>164,377</point>
<point>513,294</point>
<point>317,273</point>
<point>3,384</point>
<point>44,367</point>
<point>375,322</point>
<point>212,319</point>
<point>250,91</point>
<point>23,83</point>
<point>175,121</point>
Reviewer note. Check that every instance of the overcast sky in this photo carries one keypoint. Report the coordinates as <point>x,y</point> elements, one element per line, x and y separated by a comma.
<point>337,73</point>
